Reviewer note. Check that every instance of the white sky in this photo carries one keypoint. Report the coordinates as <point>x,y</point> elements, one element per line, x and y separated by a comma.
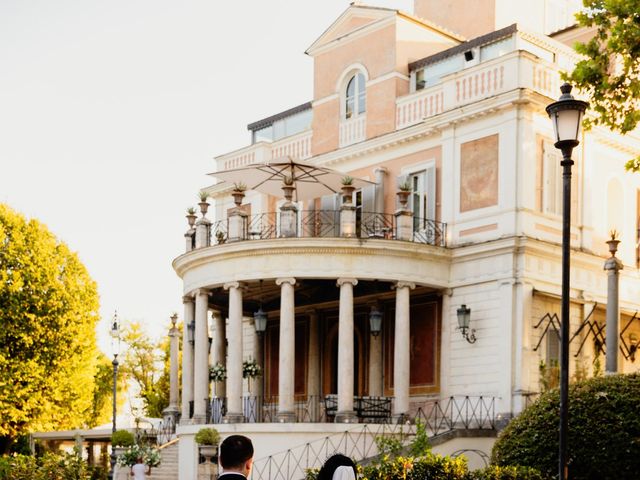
<point>111,113</point>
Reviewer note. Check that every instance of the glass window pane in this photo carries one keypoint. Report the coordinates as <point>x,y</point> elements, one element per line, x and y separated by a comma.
<point>361,102</point>
<point>351,87</point>
<point>349,111</point>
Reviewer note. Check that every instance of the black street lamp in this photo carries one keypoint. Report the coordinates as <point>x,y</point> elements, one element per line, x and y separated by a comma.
<point>115,348</point>
<point>566,115</point>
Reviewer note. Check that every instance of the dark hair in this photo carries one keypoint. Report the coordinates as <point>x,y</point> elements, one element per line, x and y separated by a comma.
<point>332,463</point>
<point>235,450</point>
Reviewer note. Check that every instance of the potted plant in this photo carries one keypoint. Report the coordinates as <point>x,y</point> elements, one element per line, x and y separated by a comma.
<point>121,440</point>
<point>207,440</point>
<point>404,190</point>
<point>347,189</point>
<point>204,205</point>
<point>238,193</point>
<point>191,216</point>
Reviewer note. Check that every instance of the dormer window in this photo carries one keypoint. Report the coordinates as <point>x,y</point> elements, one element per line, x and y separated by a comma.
<point>355,99</point>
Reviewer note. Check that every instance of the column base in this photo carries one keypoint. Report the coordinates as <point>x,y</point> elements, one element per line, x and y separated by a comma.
<point>346,417</point>
<point>286,417</point>
<point>233,418</point>
<point>198,420</point>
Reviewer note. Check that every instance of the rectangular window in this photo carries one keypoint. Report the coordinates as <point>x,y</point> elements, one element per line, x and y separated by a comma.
<point>551,179</point>
<point>422,201</point>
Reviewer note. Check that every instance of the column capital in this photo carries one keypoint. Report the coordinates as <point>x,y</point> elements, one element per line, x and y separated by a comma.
<point>187,299</point>
<point>229,285</point>
<point>200,291</point>
<point>409,285</point>
<point>342,281</point>
<point>290,280</point>
<point>383,170</point>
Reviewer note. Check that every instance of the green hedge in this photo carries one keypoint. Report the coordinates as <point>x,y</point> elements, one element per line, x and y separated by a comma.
<point>603,436</point>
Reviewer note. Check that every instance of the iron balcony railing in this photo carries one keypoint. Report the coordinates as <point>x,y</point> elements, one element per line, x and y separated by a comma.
<point>326,224</point>
<point>437,415</point>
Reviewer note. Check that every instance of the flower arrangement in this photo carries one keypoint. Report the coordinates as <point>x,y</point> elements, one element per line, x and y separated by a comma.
<point>250,369</point>
<point>217,372</point>
<point>150,456</point>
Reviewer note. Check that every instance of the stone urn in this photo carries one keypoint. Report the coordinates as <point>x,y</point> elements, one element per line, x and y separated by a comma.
<point>209,452</point>
<point>347,193</point>
<point>191,218</point>
<point>403,198</point>
<point>238,196</point>
<point>204,207</point>
<point>613,246</point>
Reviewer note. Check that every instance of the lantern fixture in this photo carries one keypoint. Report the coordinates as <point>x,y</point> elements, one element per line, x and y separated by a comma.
<point>260,317</point>
<point>375,321</point>
<point>115,335</point>
<point>566,115</point>
<point>464,318</point>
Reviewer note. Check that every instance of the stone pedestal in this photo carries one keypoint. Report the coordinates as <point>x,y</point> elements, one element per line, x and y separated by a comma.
<point>237,225</point>
<point>404,225</point>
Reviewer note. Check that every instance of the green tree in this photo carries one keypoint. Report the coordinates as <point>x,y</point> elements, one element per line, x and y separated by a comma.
<point>102,402</point>
<point>48,312</point>
<point>609,73</point>
<point>146,362</point>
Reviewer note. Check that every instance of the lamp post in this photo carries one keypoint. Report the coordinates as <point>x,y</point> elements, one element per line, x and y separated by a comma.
<point>115,348</point>
<point>566,115</point>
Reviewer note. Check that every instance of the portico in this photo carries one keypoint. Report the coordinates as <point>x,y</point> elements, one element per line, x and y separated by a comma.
<point>318,341</point>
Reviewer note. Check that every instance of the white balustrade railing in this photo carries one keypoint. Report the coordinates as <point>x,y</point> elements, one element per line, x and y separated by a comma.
<point>514,70</point>
<point>352,130</point>
<point>414,108</point>
<point>296,146</point>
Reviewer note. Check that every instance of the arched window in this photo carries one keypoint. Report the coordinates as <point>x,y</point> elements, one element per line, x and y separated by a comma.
<point>355,100</point>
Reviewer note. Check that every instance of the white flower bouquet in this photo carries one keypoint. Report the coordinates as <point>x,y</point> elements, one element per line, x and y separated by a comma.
<point>217,372</point>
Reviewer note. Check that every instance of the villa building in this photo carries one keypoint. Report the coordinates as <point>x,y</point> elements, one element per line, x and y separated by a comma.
<point>362,289</point>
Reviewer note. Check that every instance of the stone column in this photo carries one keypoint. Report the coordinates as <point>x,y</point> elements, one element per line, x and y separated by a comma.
<point>287,358</point>
<point>612,266</point>
<point>346,413</point>
<point>234,356</point>
<point>219,350</point>
<point>174,389</point>
<point>201,358</point>
<point>401,351</point>
<point>313,370</point>
<point>187,359</point>
<point>375,365</point>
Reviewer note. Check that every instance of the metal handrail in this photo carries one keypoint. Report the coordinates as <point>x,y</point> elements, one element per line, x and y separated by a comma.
<point>326,224</point>
<point>438,416</point>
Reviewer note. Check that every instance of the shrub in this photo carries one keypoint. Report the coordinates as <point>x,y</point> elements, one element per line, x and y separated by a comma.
<point>428,466</point>
<point>495,472</point>
<point>603,435</point>
<point>122,438</point>
<point>50,466</point>
<point>207,436</point>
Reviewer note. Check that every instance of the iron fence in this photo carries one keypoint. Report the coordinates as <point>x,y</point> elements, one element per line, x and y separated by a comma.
<point>326,224</point>
<point>359,443</point>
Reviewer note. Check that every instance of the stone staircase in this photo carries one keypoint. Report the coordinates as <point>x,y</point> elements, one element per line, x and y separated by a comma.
<point>168,468</point>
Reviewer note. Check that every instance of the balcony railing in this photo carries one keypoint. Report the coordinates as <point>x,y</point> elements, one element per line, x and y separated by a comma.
<point>326,224</point>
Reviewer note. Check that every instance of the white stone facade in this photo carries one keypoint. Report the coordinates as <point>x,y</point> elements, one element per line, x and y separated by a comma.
<point>486,233</point>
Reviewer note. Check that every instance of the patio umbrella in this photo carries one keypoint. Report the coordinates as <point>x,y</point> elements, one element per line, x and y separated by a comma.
<point>311,181</point>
